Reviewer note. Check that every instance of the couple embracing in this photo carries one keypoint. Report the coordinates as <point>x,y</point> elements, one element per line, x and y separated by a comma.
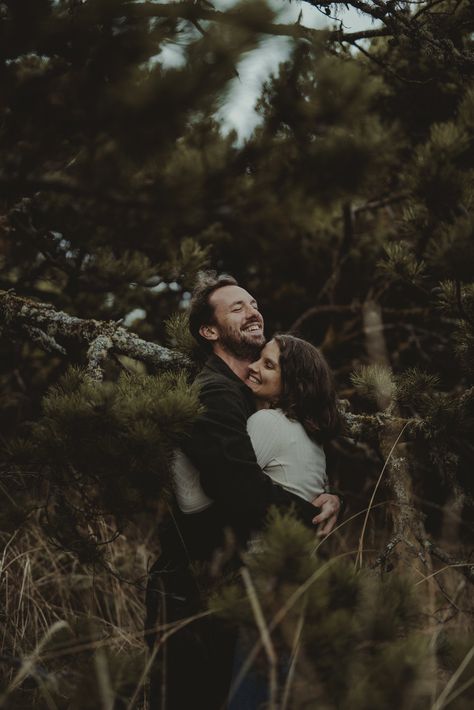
<point>269,408</point>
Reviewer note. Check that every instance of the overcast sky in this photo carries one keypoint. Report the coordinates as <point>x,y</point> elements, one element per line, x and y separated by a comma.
<point>238,111</point>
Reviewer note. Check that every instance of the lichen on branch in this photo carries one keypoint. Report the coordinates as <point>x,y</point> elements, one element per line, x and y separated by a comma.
<point>55,329</point>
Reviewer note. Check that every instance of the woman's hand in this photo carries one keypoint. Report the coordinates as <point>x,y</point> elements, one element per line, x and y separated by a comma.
<point>330,505</point>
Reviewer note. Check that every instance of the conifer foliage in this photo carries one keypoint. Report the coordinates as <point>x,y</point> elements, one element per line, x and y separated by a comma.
<point>348,213</point>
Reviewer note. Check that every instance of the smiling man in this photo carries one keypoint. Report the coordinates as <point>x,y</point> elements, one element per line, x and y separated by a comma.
<point>225,320</point>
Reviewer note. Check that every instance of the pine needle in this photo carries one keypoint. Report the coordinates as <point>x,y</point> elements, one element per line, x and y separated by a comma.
<point>429,576</point>
<point>442,700</point>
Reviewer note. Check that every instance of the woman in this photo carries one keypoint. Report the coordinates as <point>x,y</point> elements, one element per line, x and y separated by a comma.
<point>297,414</point>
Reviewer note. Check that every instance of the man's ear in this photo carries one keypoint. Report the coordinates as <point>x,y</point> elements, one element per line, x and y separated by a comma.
<point>209,332</point>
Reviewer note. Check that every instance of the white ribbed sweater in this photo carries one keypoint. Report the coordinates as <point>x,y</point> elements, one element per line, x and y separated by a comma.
<point>284,452</point>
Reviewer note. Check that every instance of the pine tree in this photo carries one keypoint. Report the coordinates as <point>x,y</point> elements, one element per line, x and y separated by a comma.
<point>347,212</point>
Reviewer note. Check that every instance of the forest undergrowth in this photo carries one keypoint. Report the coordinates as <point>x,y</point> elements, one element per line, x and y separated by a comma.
<point>72,634</point>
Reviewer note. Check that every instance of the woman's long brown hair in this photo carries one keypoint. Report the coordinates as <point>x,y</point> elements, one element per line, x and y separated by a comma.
<point>307,388</point>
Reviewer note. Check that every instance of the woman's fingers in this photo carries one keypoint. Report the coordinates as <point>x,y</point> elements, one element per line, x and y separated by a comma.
<point>329,505</point>
<point>327,516</point>
<point>328,526</point>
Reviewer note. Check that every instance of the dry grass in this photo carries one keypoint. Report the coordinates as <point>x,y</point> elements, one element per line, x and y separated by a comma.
<point>72,636</point>
<point>61,619</point>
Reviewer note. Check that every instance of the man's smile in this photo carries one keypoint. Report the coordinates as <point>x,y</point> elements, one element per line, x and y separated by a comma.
<point>254,326</point>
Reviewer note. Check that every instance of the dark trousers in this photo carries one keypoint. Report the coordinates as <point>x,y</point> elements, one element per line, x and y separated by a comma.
<point>193,663</point>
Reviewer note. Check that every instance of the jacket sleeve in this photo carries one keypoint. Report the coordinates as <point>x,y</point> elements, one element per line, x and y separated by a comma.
<point>222,451</point>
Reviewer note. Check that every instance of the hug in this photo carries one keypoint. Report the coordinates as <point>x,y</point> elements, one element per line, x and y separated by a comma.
<point>268,410</point>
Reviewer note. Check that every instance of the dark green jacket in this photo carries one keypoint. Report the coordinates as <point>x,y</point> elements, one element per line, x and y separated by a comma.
<point>220,448</point>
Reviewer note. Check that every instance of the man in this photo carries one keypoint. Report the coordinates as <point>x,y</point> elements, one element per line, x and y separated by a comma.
<point>225,320</point>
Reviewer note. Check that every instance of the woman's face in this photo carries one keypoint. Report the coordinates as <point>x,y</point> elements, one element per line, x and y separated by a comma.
<point>264,376</point>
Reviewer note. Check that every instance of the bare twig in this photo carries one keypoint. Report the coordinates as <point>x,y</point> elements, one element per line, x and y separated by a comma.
<point>465,567</point>
<point>383,557</point>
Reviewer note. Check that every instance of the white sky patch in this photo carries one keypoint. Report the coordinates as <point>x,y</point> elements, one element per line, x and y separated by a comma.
<point>130,318</point>
<point>238,111</point>
<point>238,108</point>
<point>171,55</point>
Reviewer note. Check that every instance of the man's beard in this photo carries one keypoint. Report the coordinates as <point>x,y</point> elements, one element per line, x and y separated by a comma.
<point>241,344</point>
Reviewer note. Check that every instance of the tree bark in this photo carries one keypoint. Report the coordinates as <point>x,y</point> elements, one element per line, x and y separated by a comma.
<point>408,526</point>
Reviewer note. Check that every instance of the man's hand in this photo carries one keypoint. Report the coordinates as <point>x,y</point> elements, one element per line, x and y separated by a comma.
<point>330,505</point>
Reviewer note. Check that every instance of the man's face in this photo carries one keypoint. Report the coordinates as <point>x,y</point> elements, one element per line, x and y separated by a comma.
<point>238,323</point>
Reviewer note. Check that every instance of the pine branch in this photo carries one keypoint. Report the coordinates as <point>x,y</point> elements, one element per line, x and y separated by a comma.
<point>236,18</point>
<point>377,204</point>
<point>20,315</point>
<point>426,8</point>
<point>62,184</point>
<point>45,341</point>
<point>96,356</point>
<point>368,9</point>
<point>392,23</point>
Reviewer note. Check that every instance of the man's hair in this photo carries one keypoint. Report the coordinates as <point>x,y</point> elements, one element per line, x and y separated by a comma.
<point>201,312</point>
<point>307,388</point>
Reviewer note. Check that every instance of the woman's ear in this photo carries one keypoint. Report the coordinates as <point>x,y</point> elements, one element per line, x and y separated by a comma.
<point>209,332</point>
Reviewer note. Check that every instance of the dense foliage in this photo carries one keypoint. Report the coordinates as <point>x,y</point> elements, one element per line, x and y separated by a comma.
<point>348,213</point>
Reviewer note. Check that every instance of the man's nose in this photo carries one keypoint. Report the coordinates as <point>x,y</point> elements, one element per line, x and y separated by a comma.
<point>252,310</point>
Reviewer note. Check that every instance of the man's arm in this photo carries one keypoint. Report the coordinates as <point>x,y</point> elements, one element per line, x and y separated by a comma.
<point>222,451</point>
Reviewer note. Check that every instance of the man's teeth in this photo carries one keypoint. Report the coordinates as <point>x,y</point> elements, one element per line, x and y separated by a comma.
<point>254,326</point>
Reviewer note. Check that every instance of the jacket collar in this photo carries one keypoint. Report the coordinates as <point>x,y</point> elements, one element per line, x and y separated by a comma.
<point>217,364</point>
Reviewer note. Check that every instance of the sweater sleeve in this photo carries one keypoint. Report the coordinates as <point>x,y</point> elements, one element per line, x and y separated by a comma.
<point>264,428</point>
